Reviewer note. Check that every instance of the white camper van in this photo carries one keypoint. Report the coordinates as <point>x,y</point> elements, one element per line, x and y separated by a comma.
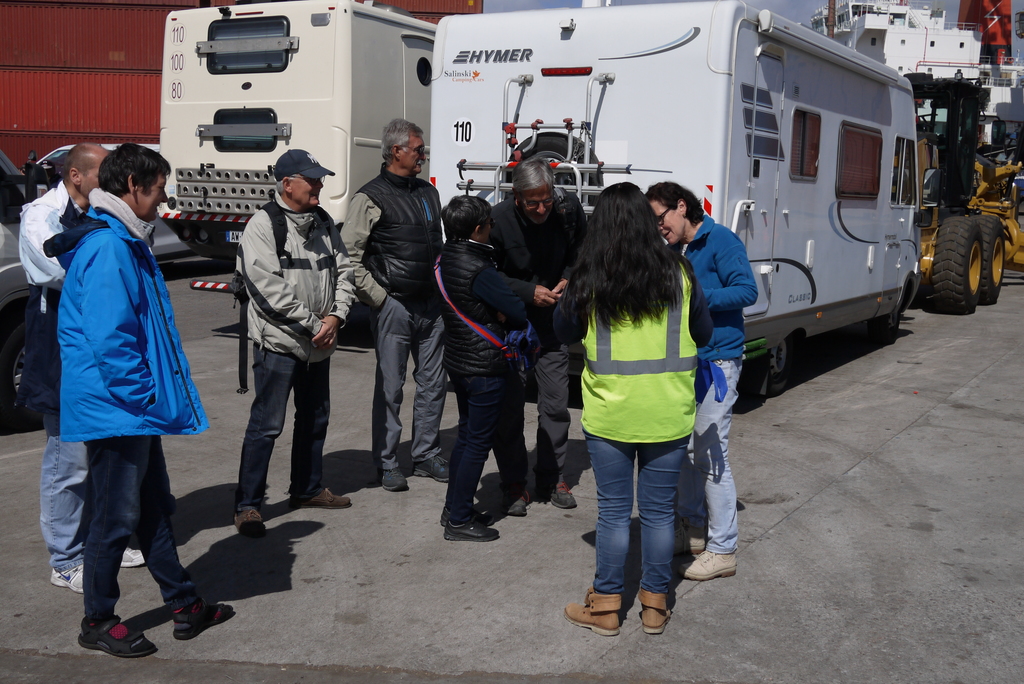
<point>246,83</point>
<point>802,147</point>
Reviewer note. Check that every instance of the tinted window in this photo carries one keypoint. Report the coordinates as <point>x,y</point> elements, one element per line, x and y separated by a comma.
<point>904,189</point>
<point>251,61</point>
<point>245,143</point>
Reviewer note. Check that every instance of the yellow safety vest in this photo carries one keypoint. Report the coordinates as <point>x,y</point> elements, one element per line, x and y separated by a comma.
<point>638,381</point>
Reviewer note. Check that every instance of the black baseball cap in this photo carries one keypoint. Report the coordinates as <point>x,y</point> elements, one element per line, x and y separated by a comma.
<point>294,162</point>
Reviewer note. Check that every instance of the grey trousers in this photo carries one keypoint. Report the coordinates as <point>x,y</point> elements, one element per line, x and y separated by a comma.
<point>400,329</point>
<point>552,375</point>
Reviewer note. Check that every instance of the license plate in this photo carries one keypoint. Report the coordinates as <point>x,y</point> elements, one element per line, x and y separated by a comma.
<point>234,236</point>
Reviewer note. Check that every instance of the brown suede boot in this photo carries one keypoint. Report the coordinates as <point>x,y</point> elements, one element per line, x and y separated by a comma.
<point>599,612</point>
<point>655,612</point>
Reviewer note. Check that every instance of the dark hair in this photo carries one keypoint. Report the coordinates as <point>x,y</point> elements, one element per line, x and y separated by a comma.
<point>669,194</point>
<point>624,270</point>
<point>463,214</point>
<point>141,164</point>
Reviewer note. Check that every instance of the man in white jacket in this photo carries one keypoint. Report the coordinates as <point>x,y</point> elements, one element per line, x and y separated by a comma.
<point>299,281</point>
<point>62,480</point>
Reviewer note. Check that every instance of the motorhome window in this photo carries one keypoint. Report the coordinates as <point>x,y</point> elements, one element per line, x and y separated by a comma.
<point>860,162</point>
<point>803,163</point>
<point>903,174</point>
<point>264,61</point>
<point>245,143</point>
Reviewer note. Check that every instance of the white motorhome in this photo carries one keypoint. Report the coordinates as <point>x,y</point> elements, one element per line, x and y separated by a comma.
<point>804,148</point>
<point>244,84</point>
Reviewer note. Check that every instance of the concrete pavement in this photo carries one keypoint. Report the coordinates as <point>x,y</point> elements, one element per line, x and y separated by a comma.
<point>879,538</point>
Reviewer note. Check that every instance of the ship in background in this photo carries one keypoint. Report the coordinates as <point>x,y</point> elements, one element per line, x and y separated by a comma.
<point>914,36</point>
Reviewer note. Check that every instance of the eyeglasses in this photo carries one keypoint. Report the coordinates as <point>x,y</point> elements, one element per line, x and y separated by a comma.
<point>311,181</point>
<point>420,151</point>
<point>661,216</point>
<point>487,223</point>
<point>533,204</point>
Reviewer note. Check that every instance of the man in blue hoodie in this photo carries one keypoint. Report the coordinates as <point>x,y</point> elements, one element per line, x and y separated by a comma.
<point>125,381</point>
<point>707,493</point>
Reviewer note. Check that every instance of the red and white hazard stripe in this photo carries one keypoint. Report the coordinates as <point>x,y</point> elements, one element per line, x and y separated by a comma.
<point>707,202</point>
<point>227,218</point>
<point>209,285</point>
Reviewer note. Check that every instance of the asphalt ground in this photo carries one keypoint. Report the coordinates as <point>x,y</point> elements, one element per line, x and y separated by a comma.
<point>880,537</point>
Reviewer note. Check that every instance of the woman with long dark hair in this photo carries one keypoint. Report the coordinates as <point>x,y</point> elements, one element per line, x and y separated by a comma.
<point>641,316</point>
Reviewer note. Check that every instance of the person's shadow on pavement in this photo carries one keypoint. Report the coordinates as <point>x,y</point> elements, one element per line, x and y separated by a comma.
<point>237,568</point>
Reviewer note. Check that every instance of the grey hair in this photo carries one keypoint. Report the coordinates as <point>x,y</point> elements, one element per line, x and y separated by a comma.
<point>532,174</point>
<point>280,187</point>
<point>397,132</point>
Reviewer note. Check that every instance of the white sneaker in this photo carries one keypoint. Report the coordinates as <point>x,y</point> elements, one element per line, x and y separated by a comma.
<point>72,579</point>
<point>132,558</point>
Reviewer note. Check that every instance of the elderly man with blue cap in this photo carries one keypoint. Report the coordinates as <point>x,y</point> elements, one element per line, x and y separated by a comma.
<point>299,281</point>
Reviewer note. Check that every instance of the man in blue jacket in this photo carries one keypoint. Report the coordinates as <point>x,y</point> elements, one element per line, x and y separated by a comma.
<point>125,381</point>
<point>707,493</point>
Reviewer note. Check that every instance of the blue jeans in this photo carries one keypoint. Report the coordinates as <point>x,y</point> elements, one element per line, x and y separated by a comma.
<point>658,472</point>
<point>129,492</point>
<point>62,489</point>
<point>480,399</point>
<point>706,488</point>
<point>275,376</point>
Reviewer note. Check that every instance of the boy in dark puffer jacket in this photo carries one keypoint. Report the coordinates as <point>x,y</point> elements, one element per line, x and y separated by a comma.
<point>478,369</point>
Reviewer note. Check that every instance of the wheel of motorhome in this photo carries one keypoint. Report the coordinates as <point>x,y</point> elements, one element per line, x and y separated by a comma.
<point>885,329</point>
<point>780,366</point>
<point>993,258</point>
<point>957,271</point>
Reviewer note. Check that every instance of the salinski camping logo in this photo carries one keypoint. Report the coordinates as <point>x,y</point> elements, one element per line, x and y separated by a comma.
<point>463,75</point>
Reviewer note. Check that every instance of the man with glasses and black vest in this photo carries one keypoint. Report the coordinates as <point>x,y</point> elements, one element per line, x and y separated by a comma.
<point>536,236</point>
<point>393,235</point>
<point>299,282</point>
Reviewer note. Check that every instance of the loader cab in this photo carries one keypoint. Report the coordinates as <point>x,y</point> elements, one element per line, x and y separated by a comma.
<point>948,109</point>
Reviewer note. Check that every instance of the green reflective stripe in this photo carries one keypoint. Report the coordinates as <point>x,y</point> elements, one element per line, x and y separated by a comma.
<point>604,365</point>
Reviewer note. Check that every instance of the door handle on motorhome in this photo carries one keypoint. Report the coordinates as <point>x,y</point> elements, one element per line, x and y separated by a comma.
<point>744,206</point>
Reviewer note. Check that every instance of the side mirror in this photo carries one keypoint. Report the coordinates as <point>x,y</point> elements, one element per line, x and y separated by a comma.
<point>931,188</point>
<point>999,133</point>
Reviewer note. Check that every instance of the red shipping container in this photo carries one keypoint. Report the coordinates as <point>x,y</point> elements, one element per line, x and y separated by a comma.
<point>439,8</point>
<point>70,102</point>
<point>17,145</point>
<point>87,38</point>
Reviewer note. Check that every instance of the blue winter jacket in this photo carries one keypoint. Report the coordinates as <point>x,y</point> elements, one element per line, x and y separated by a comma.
<point>720,263</point>
<point>124,370</point>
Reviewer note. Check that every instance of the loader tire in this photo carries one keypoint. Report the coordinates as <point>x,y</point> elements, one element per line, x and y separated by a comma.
<point>993,255</point>
<point>957,268</point>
